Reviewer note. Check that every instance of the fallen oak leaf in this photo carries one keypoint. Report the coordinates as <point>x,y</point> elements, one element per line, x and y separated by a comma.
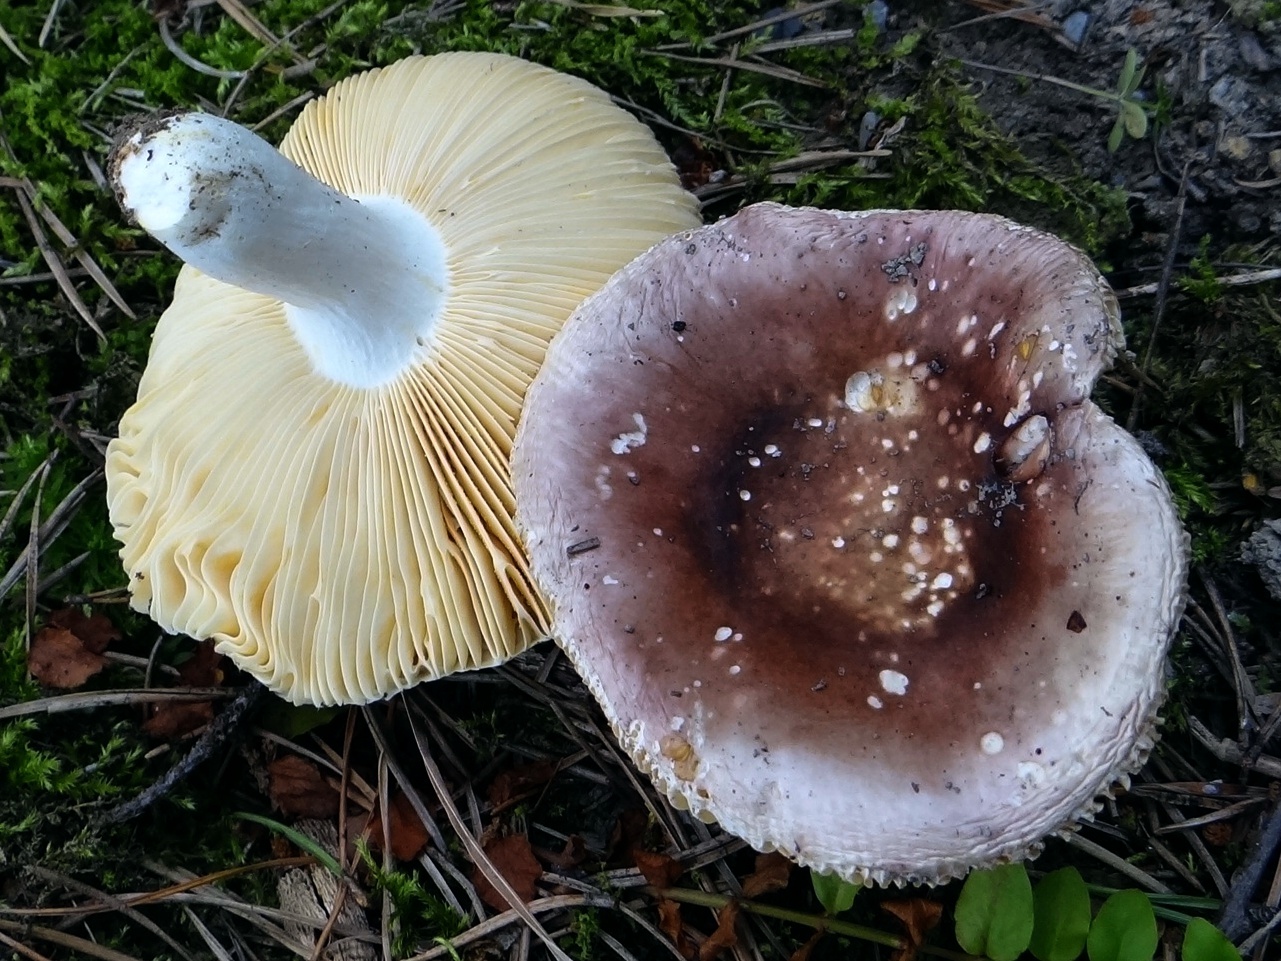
<point>408,833</point>
<point>513,856</point>
<point>95,631</point>
<point>58,658</point>
<point>724,937</point>
<point>296,786</point>
<point>660,870</point>
<point>918,915</point>
<point>519,782</point>
<point>571,855</point>
<point>170,721</point>
<point>672,925</point>
<point>771,873</point>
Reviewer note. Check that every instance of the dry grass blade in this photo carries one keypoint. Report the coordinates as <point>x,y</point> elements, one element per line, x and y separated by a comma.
<point>30,560</point>
<point>70,941</point>
<point>113,903</point>
<point>1248,279</point>
<point>187,60</point>
<point>87,263</point>
<point>238,12</point>
<point>755,25</point>
<point>474,851</point>
<point>606,10</point>
<point>89,700</point>
<point>47,532</point>
<point>751,65</point>
<point>1118,864</point>
<point>11,514</point>
<point>824,38</point>
<point>13,47</point>
<point>56,266</point>
<point>559,902</point>
<point>214,945</point>
<point>22,949</point>
<point>1007,10</point>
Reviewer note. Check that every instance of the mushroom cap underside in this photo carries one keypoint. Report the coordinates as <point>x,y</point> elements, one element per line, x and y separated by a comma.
<point>338,543</point>
<point>832,531</point>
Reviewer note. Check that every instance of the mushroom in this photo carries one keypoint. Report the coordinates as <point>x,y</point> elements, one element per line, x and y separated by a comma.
<point>833,532</point>
<point>315,472</point>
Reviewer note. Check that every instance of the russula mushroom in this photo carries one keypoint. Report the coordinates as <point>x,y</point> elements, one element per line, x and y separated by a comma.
<point>315,472</point>
<point>833,532</point>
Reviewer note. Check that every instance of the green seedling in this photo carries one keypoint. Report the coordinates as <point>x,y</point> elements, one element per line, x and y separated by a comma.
<point>1132,112</point>
<point>1000,916</point>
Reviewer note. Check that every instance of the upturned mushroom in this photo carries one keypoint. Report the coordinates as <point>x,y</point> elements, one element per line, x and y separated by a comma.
<point>832,530</point>
<point>315,472</point>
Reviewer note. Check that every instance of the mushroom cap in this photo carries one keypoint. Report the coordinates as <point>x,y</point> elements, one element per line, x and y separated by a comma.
<point>340,543</point>
<point>834,534</point>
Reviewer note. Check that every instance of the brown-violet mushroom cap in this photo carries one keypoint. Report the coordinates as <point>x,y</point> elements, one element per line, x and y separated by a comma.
<point>833,532</point>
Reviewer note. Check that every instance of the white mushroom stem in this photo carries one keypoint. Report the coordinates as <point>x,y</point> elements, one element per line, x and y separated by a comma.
<point>363,281</point>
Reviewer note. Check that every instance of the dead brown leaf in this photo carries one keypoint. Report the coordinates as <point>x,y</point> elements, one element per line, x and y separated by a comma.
<point>408,833</point>
<point>58,658</point>
<point>918,915</point>
<point>571,855</point>
<point>671,924</point>
<point>95,630</point>
<point>724,937</point>
<point>771,873</point>
<point>203,668</point>
<point>805,950</point>
<point>517,783</point>
<point>660,870</point>
<point>514,858</point>
<point>626,834</point>
<point>296,786</point>
<point>172,720</point>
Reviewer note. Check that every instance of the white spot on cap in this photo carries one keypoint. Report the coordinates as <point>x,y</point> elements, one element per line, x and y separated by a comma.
<point>890,540</point>
<point>942,582</point>
<point>983,443</point>
<point>920,525</point>
<point>838,542</point>
<point>609,580</point>
<point>734,669</point>
<point>724,633</point>
<point>745,495</point>
<point>625,441</point>
<point>772,450</point>
<point>695,448</point>
<point>1031,774</point>
<point>893,682</point>
<point>992,743</point>
<point>754,461</point>
<point>875,701</point>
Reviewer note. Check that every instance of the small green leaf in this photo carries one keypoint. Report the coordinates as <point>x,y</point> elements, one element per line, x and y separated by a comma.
<point>1135,119</point>
<point>1204,942</point>
<point>298,838</point>
<point>1117,134</point>
<point>1130,76</point>
<point>994,913</point>
<point>1061,909</point>
<point>1124,929</point>
<point>833,893</point>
